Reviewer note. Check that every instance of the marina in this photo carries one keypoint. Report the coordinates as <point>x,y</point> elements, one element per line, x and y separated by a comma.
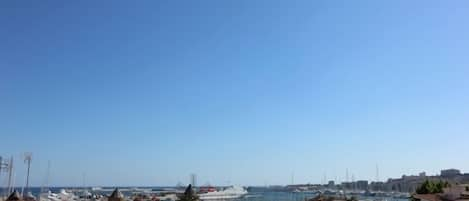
<point>170,194</point>
<point>355,190</point>
<point>309,100</point>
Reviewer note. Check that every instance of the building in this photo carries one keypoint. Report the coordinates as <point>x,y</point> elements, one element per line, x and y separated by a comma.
<point>450,173</point>
<point>405,183</point>
<point>347,185</point>
<point>409,183</point>
<point>331,184</point>
<point>377,186</point>
<point>362,185</point>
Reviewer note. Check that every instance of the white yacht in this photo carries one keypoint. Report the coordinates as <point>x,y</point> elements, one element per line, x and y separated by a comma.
<point>63,195</point>
<point>232,192</point>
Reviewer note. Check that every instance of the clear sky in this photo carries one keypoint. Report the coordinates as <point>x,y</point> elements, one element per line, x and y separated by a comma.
<point>238,92</point>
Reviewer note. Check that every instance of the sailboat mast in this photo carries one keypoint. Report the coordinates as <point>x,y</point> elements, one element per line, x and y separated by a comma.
<point>10,175</point>
<point>84,180</point>
<point>28,158</point>
<point>377,173</point>
<point>46,182</point>
<point>2,164</point>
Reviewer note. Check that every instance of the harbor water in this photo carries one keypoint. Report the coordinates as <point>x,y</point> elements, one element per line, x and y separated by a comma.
<point>251,196</point>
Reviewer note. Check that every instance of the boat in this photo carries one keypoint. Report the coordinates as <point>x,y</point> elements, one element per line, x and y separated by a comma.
<point>96,188</point>
<point>232,192</point>
<point>49,196</point>
<point>166,197</point>
<point>29,197</point>
<point>207,189</point>
<point>63,195</point>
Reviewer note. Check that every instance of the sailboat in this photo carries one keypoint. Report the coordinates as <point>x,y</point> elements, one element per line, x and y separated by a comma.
<point>43,195</point>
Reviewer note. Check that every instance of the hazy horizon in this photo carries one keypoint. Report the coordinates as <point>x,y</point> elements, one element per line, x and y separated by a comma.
<point>239,92</point>
<point>337,180</point>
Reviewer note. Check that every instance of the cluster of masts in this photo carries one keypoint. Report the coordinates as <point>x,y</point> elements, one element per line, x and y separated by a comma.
<point>8,167</point>
<point>15,196</point>
<point>347,176</point>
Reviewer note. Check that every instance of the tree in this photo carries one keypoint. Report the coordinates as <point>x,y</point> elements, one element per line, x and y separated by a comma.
<point>353,198</point>
<point>189,195</point>
<point>439,186</point>
<point>447,185</point>
<point>431,187</point>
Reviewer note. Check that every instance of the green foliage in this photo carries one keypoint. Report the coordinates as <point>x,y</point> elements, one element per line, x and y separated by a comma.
<point>353,198</point>
<point>432,187</point>
<point>446,184</point>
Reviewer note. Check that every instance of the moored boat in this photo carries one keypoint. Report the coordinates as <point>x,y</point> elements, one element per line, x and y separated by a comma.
<point>232,192</point>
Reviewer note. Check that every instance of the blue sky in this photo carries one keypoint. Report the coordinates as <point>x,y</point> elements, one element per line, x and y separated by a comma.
<point>239,92</point>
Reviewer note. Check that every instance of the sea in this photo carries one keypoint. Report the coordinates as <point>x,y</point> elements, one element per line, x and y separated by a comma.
<point>251,196</point>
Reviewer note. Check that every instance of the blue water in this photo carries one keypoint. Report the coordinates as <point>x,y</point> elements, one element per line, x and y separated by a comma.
<point>252,196</point>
